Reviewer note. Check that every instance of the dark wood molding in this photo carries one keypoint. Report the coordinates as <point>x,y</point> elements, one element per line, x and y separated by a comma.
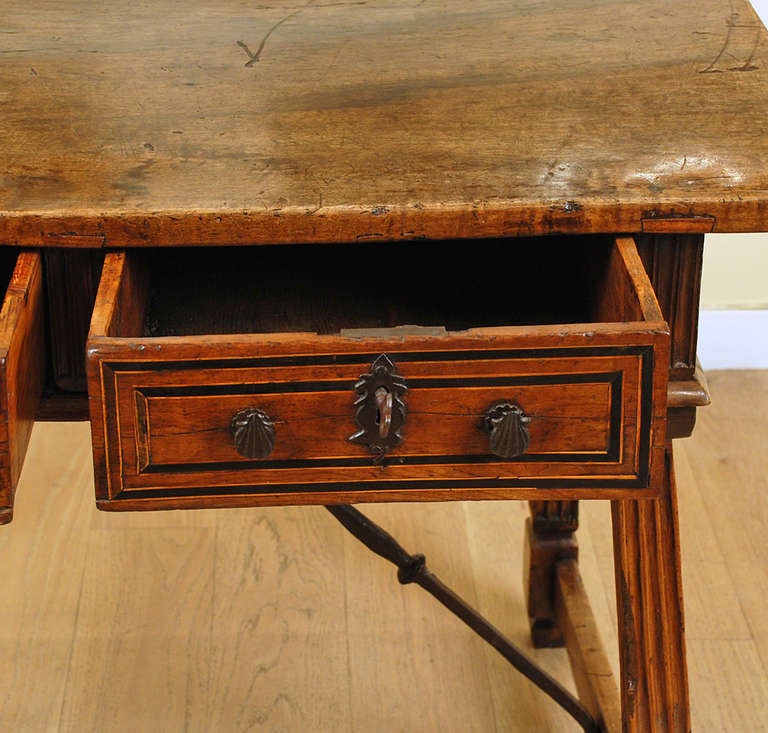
<point>673,263</point>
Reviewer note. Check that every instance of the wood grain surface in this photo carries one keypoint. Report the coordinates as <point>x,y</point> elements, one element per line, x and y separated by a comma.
<point>234,122</point>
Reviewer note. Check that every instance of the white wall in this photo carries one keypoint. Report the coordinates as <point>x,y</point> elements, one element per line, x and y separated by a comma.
<point>761,6</point>
<point>733,324</point>
<point>735,272</point>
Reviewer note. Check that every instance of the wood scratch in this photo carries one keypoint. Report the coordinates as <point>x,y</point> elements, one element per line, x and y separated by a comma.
<point>747,66</point>
<point>730,25</point>
<point>730,44</point>
<point>255,57</point>
<point>333,62</point>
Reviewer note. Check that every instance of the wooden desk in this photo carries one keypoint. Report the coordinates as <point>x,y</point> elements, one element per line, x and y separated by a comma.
<point>503,171</point>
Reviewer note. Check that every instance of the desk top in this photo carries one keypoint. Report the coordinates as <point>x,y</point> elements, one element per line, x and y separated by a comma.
<point>313,120</point>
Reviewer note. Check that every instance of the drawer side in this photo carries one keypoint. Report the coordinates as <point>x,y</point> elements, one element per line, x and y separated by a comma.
<point>22,371</point>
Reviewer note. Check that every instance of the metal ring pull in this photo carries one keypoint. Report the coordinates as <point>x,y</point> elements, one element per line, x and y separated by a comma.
<point>384,406</point>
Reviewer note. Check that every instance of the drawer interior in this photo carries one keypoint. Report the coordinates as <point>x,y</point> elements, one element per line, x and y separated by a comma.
<point>328,289</point>
<point>7,263</point>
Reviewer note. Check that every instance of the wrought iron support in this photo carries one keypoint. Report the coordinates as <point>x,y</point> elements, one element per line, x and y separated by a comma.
<point>413,569</point>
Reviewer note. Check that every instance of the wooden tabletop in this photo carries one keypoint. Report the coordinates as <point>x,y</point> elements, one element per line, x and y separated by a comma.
<point>319,120</point>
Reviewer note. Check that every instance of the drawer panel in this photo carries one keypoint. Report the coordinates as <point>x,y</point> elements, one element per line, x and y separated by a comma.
<point>571,417</point>
<point>593,396</point>
<point>22,365</point>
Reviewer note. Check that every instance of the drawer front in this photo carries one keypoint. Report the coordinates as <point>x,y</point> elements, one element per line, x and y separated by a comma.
<point>168,426</point>
<point>591,413</point>
<point>22,368</point>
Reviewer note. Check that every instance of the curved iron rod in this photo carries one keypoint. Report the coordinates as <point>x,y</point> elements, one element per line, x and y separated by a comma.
<point>413,569</point>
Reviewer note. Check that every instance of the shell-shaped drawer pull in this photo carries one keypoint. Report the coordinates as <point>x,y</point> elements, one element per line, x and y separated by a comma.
<point>507,428</point>
<point>253,432</point>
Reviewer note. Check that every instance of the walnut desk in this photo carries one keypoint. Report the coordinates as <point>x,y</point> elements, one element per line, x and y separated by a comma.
<point>338,253</point>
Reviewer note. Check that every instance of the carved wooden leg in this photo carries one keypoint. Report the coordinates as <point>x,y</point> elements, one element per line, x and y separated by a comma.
<point>549,538</point>
<point>654,684</point>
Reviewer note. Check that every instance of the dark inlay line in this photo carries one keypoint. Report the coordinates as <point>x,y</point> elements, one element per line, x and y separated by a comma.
<point>366,358</point>
<point>646,414</point>
<point>362,486</point>
<point>418,460</point>
<point>612,455</point>
<point>342,385</point>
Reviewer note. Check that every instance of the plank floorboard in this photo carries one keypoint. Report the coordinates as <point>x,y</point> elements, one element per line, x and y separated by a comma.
<point>276,620</point>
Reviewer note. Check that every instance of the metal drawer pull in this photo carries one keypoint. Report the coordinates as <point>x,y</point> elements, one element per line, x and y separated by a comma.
<point>507,427</point>
<point>254,433</point>
<point>379,408</point>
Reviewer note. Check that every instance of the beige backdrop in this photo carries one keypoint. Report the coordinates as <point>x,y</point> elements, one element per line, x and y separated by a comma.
<point>735,272</point>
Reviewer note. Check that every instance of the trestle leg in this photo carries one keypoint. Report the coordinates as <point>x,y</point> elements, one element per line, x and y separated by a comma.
<point>550,537</point>
<point>653,684</point>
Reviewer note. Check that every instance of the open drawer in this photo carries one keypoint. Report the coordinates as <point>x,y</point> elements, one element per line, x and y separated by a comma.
<point>22,364</point>
<point>376,372</point>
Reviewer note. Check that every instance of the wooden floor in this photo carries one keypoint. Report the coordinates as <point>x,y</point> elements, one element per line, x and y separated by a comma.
<point>276,620</point>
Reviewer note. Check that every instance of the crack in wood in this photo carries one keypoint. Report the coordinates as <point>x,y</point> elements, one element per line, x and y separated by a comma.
<point>255,57</point>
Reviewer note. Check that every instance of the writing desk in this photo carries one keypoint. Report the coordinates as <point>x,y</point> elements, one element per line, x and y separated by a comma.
<point>490,223</point>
